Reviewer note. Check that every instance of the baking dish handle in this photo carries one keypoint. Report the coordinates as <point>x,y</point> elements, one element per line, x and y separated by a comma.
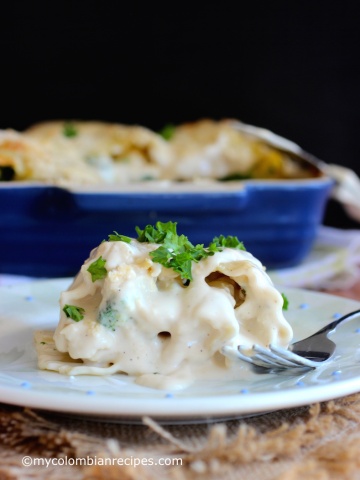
<point>346,190</point>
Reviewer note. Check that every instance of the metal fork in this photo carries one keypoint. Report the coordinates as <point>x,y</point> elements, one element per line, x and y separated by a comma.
<point>309,353</point>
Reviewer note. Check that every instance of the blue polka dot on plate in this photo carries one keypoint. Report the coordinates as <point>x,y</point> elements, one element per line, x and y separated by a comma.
<point>25,385</point>
<point>304,306</point>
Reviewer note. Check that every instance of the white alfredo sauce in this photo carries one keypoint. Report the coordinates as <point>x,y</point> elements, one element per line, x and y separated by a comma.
<point>143,321</point>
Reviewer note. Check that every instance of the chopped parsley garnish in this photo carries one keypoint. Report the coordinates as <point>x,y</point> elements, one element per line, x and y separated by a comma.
<point>69,130</point>
<point>176,251</point>
<point>157,233</point>
<point>229,241</point>
<point>167,132</point>
<point>75,313</point>
<point>116,237</point>
<point>97,269</point>
<point>286,301</point>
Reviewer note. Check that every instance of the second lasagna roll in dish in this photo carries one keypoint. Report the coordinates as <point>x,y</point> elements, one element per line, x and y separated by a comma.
<point>161,309</point>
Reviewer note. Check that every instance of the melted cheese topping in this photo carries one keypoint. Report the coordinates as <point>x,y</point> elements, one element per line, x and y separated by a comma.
<point>102,153</point>
<point>142,320</point>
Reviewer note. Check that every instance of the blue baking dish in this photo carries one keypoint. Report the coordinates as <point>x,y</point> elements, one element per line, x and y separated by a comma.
<point>48,231</point>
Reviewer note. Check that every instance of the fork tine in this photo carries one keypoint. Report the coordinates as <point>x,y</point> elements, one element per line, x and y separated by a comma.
<point>267,362</point>
<point>232,352</point>
<point>267,355</point>
<point>263,358</point>
<point>246,358</point>
<point>270,358</point>
<point>296,359</point>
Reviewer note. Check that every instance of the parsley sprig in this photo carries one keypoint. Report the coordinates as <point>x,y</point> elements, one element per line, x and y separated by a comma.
<point>74,312</point>
<point>229,242</point>
<point>176,251</point>
<point>168,131</point>
<point>286,301</point>
<point>69,130</point>
<point>97,269</point>
<point>116,237</point>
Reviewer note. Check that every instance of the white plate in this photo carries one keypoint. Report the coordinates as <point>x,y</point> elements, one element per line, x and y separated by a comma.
<point>32,306</point>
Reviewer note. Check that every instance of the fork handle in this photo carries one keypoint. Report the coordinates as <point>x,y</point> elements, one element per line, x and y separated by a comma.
<point>331,327</point>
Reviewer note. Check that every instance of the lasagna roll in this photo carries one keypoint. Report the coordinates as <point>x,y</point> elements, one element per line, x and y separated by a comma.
<point>126,312</point>
<point>217,149</point>
<point>116,153</point>
<point>26,159</point>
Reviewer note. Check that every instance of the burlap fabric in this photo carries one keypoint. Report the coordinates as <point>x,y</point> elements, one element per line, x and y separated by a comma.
<point>317,442</point>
